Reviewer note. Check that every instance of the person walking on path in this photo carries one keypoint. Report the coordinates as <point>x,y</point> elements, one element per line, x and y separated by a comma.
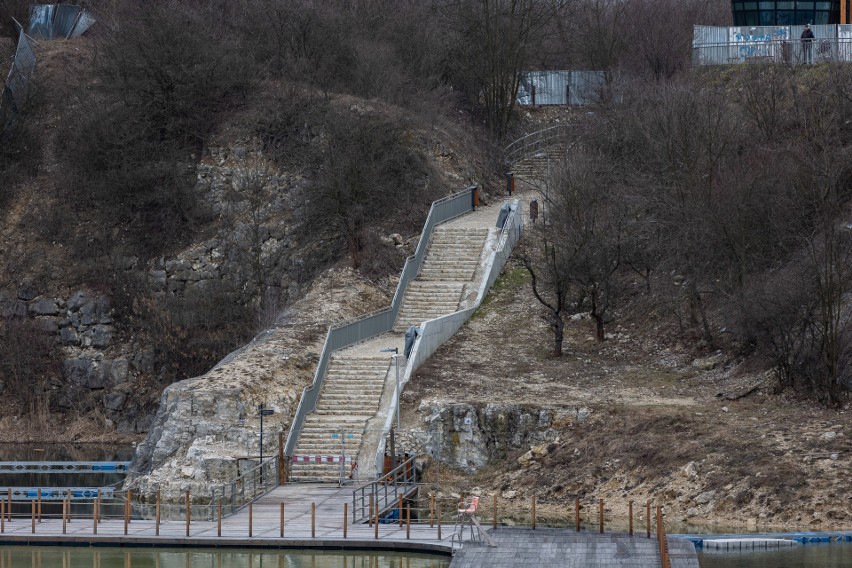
<point>807,44</point>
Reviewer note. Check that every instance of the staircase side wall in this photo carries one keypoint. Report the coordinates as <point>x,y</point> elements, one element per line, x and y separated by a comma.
<point>436,332</point>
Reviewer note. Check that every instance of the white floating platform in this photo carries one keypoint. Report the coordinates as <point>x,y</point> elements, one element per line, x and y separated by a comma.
<point>747,543</point>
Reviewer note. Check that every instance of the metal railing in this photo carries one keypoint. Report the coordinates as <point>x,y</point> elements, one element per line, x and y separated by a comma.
<point>57,493</point>
<point>535,142</point>
<point>435,332</point>
<point>63,467</point>
<point>254,483</point>
<point>371,325</point>
<point>384,493</point>
<point>788,52</point>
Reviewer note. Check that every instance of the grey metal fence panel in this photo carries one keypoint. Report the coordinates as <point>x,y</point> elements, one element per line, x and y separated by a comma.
<point>770,44</point>
<point>17,86</point>
<point>65,19</point>
<point>52,21</point>
<point>84,22</point>
<point>560,87</point>
<point>371,325</point>
<point>41,20</point>
<point>25,59</point>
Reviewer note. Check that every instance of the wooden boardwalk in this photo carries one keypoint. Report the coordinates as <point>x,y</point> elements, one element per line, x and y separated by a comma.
<point>298,500</point>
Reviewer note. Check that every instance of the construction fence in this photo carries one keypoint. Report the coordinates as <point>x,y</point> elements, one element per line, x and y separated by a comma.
<point>770,44</point>
<point>17,88</point>
<point>47,21</point>
<point>574,88</point>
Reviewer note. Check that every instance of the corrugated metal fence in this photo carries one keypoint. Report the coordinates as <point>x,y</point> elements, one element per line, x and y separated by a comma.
<point>560,87</point>
<point>770,44</point>
<point>48,21</point>
<point>16,90</point>
<point>54,21</point>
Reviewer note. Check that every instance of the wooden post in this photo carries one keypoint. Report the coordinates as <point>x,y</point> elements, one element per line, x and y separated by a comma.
<point>494,507</point>
<point>313,520</point>
<point>33,507</point>
<point>69,506</point>
<point>439,520</point>
<point>431,511</point>
<point>99,504</point>
<point>577,513</point>
<point>408,522</point>
<point>219,518</point>
<point>533,512</point>
<point>189,512</point>
<point>630,514</point>
<point>371,510</point>
<point>2,517</point>
<point>129,506</point>
<point>39,504</point>
<point>648,517</point>
<point>126,512</point>
<point>602,517</point>
<point>95,513</point>
<point>282,520</point>
<point>400,511</point>
<point>157,514</point>
<point>345,518</point>
<point>9,504</point>
<point>376,520</point>
<point>64,511</point>
<point>251,519</point>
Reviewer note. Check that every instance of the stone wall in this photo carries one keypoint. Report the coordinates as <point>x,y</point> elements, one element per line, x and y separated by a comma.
<point>470,436</point>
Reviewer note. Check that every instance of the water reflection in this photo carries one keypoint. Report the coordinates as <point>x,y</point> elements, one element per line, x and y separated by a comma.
<point>65,557</point>
<point>806,556</point>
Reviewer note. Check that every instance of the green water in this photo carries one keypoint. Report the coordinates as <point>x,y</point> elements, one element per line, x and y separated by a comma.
<point>106,557</point>
<point>807,556</point>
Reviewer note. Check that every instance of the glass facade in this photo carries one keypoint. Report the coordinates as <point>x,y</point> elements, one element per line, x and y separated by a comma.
<point>785,13</point>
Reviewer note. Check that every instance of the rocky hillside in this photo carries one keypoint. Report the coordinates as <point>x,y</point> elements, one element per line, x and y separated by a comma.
<point>639,416</point>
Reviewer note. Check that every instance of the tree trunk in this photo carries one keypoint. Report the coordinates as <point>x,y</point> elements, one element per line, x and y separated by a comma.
<point>558,334</point>
<point>599,327</point>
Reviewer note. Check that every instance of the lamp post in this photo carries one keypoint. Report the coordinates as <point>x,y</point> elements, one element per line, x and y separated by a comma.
<point>262,412</point>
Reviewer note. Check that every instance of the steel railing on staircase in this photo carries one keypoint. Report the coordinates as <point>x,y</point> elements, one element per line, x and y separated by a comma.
<point>374,324</point>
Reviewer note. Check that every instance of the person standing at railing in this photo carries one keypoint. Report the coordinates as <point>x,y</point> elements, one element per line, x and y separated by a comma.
<point>807,38</point>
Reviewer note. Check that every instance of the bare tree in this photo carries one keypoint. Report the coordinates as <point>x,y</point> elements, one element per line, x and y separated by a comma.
<point>492,45</point>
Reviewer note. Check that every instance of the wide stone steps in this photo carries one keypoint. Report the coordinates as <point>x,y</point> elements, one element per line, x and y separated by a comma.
<point>353,386</point>
<point>351,392</point>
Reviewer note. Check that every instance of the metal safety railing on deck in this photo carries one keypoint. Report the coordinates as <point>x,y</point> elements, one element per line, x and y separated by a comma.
<point>374,324</point>
<point>383,494</point>
<point>250,485</point>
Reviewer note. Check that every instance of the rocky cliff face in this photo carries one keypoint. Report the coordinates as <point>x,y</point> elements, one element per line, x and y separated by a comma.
<point>206,426</point>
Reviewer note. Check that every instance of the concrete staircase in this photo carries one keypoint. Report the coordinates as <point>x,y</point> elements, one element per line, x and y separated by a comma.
<point>451,262</point>
<point>351,393</point>
<point>536,167</point>
<point>356,377</point>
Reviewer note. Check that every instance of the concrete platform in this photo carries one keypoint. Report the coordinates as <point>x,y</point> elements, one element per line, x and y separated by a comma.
<point>545,548</point>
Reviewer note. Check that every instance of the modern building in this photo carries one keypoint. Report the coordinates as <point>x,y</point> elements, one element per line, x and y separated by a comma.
<point>791,13</point>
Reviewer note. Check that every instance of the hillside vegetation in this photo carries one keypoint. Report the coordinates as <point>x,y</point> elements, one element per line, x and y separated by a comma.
<point>186,172</point>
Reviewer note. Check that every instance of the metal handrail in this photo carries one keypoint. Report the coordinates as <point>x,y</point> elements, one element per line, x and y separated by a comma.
<point>385,490</point>
<point>371,325</point>
<point>524,146</point>
<point>87,467</point>
<point>246,487</point>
